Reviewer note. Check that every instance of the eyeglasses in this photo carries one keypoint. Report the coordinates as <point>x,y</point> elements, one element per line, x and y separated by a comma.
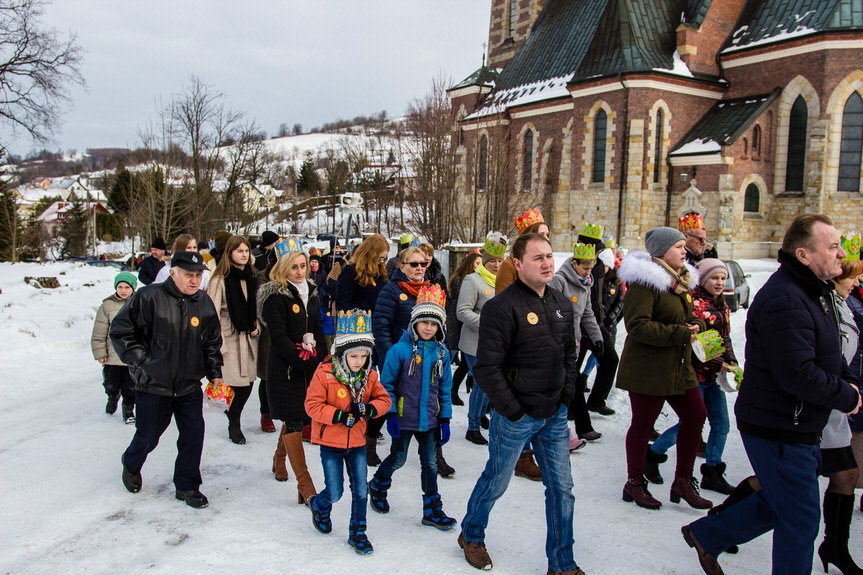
<point>701,241</point>
<point>418,264</point>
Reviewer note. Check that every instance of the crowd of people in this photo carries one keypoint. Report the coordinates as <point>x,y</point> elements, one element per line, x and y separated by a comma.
<point>347,347</point>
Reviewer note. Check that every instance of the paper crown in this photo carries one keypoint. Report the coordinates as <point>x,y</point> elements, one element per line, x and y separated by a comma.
<point>530,217</point>
<point>432,294</point>
<point>495,244</point>
<point>583,251</point>
<point>609,242</point>
<point>352,246</point>
<point>314,252</point>
<point>288,245</point>
<point>406,238</point>
<point>476,251</point>
<point>708,345</point>
<point>219,395</point>
<point>354,322</point>
<point>851,247</point>
<point>589,230</point>
<point>420,240</point>
<point>691,221</point>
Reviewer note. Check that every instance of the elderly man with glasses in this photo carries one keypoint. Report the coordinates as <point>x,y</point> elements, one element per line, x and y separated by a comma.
<point>692,226</point>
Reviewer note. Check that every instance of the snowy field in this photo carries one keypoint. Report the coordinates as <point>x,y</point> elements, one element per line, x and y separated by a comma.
<point>64,508</point>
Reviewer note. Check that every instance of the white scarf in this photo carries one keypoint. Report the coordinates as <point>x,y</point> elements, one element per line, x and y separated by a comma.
<point>303,289</point>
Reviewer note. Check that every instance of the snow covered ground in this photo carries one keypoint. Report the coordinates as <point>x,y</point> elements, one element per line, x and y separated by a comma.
<point>64,508</point>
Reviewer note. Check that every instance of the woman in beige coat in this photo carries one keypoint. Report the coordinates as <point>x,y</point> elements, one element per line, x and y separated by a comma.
<point>233,291</point>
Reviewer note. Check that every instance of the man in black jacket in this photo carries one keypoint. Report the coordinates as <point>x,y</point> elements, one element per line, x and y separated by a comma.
<point>170,336</point>
<point>151,264</point>
<point>795,375</point>
<point>526,365</point>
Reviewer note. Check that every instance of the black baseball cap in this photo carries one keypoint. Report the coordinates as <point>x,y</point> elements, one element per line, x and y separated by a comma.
<point>189,261</point>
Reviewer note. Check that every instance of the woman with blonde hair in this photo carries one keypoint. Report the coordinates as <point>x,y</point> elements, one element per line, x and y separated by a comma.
<point>289,307</point>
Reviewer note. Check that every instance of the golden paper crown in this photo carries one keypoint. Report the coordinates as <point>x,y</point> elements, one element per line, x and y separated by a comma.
<point>851,246</point>
<point>530,217</point>
<point>495,244</point>
<point>589,230</point>
<point>288,245</point>
<point>432,294</point>
<point>609,242</point>
<point>419,240</point>
<point>354,322</point>
<point>691,221</point>
<point>406,238</point>
<point>583,251</point>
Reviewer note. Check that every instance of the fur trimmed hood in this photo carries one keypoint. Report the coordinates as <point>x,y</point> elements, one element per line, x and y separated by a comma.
<point>638,267</point>
<point>275,288</point>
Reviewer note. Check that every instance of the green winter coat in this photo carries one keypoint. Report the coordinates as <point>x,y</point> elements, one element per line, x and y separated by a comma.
<point>656,358</point>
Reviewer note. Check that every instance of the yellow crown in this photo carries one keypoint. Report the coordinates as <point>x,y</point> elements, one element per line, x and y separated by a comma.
<point>288,245</point>
<point>691,221</point>
<point>583,251</point>
<point>609,242</point>
<point>851,246</point>
<point>530,217</point>
<point>406,238</point>
<point>589,230</point>
<point>420,240</point>
<point>354,322</point>
<point>432,294</point>
<point>495,244</point>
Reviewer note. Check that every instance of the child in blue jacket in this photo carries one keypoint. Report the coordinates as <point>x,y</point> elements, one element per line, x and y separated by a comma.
<point>417,375</point>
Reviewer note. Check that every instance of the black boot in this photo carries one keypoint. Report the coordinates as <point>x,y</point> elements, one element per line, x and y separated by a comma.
<point>651,466</point>
<point>234,431</point>
<point>378,494</point>
<point>838,509</point>
<point>443,468</point>
<point>128,413</point>
<point>372,459</point>
<point>712,478</point>
<point>739,493</point>
<point>111,406</point>
<point>357,538</point>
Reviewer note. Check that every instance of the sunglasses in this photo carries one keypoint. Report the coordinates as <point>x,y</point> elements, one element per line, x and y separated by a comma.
<point>417,264</point>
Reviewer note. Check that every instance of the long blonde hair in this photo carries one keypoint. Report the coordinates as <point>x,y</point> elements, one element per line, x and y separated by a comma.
<point>279,273</point>
<point>224,267</point>
<point>365,260</point>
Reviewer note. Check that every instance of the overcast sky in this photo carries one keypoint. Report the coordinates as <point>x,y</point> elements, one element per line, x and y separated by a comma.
<point>294,61</point>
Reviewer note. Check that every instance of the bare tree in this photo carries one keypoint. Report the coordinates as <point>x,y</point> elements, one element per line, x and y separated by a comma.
<point>38,65</point>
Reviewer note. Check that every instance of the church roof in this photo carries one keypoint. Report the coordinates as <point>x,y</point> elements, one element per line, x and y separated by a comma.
<point>723,124</point>
<point>769,21</point>
<point>484,76</point>
<point>694,12</point>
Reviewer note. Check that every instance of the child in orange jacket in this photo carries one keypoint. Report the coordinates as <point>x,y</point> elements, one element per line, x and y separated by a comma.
<point>344,392</point>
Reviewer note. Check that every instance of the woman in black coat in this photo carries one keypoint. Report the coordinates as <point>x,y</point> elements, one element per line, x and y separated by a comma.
<point>290,308</point>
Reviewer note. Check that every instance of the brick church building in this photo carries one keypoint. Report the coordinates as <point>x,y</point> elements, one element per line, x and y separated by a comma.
<point>626,112</point>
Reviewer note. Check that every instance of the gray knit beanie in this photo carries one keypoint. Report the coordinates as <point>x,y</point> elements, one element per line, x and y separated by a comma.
<point>659,240</point>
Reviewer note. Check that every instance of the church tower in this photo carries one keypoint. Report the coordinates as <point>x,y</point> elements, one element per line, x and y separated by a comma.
<point>511,22</point>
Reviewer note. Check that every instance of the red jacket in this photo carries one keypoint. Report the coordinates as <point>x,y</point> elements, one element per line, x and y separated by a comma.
<point>326,394</point>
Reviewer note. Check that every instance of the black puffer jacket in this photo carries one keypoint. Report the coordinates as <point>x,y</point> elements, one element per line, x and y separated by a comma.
<point>169,340</point>
<point>795,372</point>
<point>287,319</point>
<point>526,359</point>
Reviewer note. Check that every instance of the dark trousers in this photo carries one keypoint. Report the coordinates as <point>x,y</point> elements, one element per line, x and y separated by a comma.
<point>118,381</point>
<point>262,397</point>
<point>399,453</point>
<point>152,419</point>
<point>645,409</point>
<point>605,371</point>
<point>241,396</point>
<point>788,503</point>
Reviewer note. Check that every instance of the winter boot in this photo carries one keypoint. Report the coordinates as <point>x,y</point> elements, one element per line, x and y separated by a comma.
<point>575,444</point>
<point>687,488</point>
<point>708,562</point>
<point>378,494</point>
<point>128,413</point>
<point>651,466</point>
<point>484,422</point>
<point>131,481</point>
<point>433,514</point>
<point>444,469</point>
<point>234,431</point>
<point>357,538</point>
<point>742,491</point>
<point>712,478</point>
<point>838,509</point>
<point>635,490</point>
<point>475,553</point>
<point>279,468</point>
<point>307,433</point>
<point>527,467</point>
<point>372,459</point>
<point>297,457</point>
<point>111,406</point>
<point>320,517</point>
<point>267,425</point>
<point>475,436</point>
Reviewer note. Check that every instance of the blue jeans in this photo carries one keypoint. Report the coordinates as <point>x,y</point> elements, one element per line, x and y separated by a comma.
<point>550,440</point>
<point>333,460</point>
<point>717,415</point>
<point>788,503</point>
<point>477,403</point>
<point>399,453</point>
<point>589,365</point>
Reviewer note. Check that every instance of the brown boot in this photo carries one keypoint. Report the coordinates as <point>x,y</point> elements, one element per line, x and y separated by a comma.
<point>636,490</point>
<point>297,457</point>
<point>708,562</point>
<point>475,553</point>
<point>527,467</point>
<point>687,488</point>
<point>279,458</point>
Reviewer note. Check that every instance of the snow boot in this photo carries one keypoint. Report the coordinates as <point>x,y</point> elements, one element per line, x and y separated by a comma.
<point>484,422</point>
<point>234,431</point>
<point>475,553</point>
<point>128,413</point>
<point>636,490</point>
<point>378,494</point>
<point>687,489</point>
<point>372,459</point>
<point>433,514</point>
<point>708,562</point>
<point>651,466</point>
<point>444,469</point>
<point>712,478</point>
<point>357,538</point>
<point>838,510</point>
<point>279,468</point>
<point>475,437</point>
<point>527,467</point>
<point>297,457</point>
<point>320,517</point>
<point>111,406</point>
<point>267,425</point>
<point>575,444</point>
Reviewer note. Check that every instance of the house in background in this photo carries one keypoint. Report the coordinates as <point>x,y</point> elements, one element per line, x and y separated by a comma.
<point>57,213</point>
<point>606,111</point>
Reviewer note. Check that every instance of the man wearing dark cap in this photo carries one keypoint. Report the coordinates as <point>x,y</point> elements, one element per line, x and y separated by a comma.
<point>169,335</point>
<point>151,264</point>
<point>268,240</point>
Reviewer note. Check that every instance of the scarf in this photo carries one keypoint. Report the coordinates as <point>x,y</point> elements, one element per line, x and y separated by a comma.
<point>412,288</point>
<point>438,366</point>
<point>355,382</point>
<point>241,306</point>
<point>486,275</point>
<point>681,280</point>
<point>303,291</point>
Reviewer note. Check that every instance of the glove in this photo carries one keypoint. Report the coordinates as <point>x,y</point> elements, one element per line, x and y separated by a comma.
<point>599,348</point>
<point>444,431</point>
<point>305,354</point>
<point>359,410</point>
<point>344,418</point>
<point>393,427</point>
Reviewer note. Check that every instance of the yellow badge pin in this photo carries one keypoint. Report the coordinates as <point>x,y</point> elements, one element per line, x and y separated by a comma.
<point>532,318</point>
